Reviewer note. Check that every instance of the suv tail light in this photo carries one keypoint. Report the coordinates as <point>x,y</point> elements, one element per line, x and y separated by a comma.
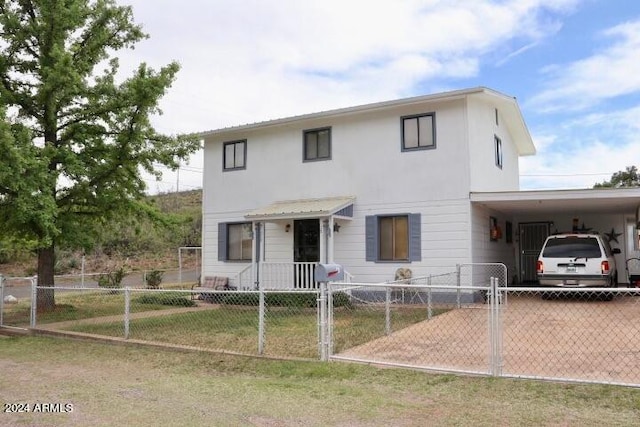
<point>604,267</point>
<point>540,267</point>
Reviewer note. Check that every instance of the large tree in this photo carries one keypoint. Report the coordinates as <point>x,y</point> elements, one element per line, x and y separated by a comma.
<point>75,139</point>
<point>622,179</point>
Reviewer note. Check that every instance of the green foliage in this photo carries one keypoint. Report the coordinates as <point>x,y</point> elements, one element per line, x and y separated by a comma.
<point>277,299</point>
<point>74,151</point>
<point>112,279</point>
<point>153,279</point>
<point>622,179</point>
<point>165,299</point>
<point>180,226</point>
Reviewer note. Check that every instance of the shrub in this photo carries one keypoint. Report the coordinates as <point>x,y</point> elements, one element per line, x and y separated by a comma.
<point>112,279</point>
<point>279,299</point>
<point>165,299</point>
<point>154,278</point>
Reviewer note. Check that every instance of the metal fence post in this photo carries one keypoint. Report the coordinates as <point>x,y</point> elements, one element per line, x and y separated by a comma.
<point>329,320</point>
<point>127,311</point>
<point>387,312</point>
<point>458,284</point>
<point>34,301</point>
<point>82,272</point>
<point>429,299</point>
<point>494,328</point>
<point>324,351</point>
<point>261,321</point>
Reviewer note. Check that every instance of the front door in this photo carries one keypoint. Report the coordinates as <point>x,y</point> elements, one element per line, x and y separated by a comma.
<point>532,237</point>
<point>306,249</point>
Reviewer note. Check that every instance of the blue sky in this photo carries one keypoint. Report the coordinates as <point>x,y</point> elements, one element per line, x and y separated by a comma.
<point>573,65</point>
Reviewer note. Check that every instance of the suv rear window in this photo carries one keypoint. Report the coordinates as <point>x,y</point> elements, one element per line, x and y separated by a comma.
<point>572,247</point>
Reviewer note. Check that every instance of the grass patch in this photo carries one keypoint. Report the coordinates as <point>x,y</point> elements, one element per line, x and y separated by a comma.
<point>355,327</point>
<point>289,332</point>
<point>88,304</point>
<point>121,385</point>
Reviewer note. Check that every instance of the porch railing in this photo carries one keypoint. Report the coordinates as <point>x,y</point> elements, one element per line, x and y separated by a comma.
<point>280,275</point>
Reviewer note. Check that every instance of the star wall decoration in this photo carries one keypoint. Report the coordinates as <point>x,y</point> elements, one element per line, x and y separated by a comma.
<point>613,236</point>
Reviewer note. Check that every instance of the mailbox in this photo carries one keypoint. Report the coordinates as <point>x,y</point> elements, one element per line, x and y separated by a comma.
<point>329,273</point>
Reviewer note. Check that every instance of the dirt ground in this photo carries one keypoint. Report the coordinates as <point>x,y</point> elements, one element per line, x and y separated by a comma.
<point>562,339</point>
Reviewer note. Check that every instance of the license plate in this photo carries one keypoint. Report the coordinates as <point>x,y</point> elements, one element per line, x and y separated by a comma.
<point>571,269</point>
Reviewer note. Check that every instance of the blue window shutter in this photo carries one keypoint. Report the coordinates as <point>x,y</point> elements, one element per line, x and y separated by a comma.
<point>222,241</point>
<point>371,237</point>
<point>415,238</point>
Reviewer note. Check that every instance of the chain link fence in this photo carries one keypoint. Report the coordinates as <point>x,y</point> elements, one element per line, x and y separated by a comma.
<point>468,321</point>
<point>472,322</point>
<point>433,322</point>
<point>269,323</point>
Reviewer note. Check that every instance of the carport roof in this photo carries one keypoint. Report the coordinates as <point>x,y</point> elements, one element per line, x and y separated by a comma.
<point>618,200</point>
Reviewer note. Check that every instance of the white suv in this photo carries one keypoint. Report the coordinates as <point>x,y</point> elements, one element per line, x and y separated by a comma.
<point>577,260</point>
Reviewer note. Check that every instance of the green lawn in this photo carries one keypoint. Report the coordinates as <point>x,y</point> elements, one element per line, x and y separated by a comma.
<point>289,332</point>
<point>79,305</point>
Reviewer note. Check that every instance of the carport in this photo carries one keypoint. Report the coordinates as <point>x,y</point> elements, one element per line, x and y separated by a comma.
<point>528,217</point>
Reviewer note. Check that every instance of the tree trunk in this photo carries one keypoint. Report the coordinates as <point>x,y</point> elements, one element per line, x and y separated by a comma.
<point>46,262</point>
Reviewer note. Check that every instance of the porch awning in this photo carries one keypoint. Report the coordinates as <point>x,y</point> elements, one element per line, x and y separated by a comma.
<point>304,208</point>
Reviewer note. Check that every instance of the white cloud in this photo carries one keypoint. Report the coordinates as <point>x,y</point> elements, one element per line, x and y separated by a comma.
<point>609,73</point>
<point>252,60</point>
<point>584,151</point>
<point>594,163</point>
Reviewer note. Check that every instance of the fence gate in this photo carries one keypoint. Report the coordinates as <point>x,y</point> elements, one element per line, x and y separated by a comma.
<point>449,322</point>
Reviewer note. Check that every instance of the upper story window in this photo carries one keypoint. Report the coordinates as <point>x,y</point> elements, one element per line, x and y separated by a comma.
<point>498,150</point>
<point>317,144</point>
<point>235,155</point>
<point>419,132</point>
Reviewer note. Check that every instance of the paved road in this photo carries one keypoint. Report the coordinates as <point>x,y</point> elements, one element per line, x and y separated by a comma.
<point>22,288</point>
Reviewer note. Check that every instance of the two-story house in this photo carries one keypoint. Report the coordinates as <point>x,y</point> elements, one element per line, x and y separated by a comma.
<point>424,183</point>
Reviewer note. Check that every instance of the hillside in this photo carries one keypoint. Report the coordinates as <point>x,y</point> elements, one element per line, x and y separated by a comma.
<point>136,245</point>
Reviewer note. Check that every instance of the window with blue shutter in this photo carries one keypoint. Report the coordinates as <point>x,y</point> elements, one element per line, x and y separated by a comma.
<point>393,238</point>
<point>234,241</point>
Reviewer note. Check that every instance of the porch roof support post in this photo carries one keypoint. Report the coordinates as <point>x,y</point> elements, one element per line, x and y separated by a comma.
<point>326,241</point>
<point>257,253</point>
<point>331,240</point>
